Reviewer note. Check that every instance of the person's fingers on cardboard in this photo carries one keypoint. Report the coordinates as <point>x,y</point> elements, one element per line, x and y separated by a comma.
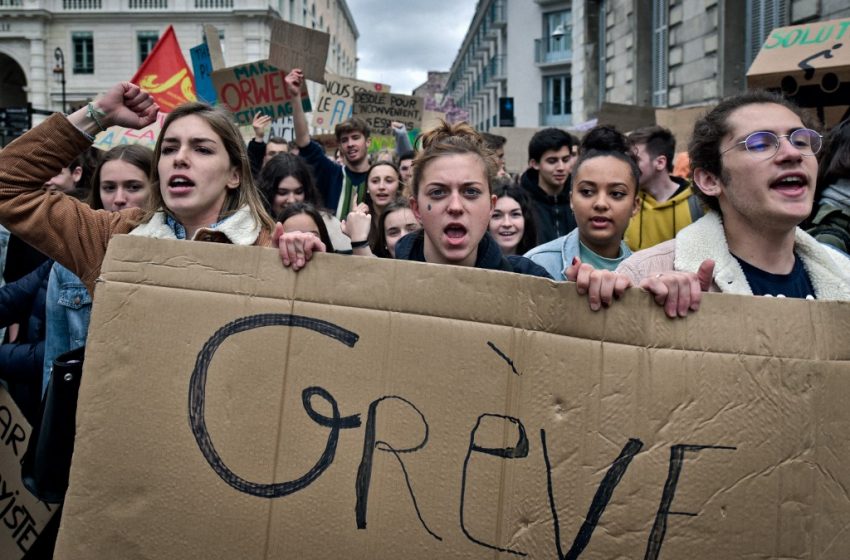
<point>594,288</point>
<point>276,233</point>
<point>705,274</point>
<point>606,287</point>
<point>571,272</point>
<point>671,305</point>
<point>696,293</point>
<point>621,284</point>
<point>583,278</point>
<point>684,283</point>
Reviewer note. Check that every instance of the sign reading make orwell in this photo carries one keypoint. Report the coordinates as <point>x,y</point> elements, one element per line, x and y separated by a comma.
<point>257,86</point>
<point>380,109</point>
<point>447,413</point>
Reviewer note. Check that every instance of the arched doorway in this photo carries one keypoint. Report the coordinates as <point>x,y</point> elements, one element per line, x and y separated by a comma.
<point>12,83</point>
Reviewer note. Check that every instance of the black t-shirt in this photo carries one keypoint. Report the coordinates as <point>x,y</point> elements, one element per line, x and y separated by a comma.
<point>795,284</point>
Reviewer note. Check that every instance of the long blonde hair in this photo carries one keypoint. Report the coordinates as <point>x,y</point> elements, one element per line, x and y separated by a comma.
<point>246,194</point>
<point>451,139</point>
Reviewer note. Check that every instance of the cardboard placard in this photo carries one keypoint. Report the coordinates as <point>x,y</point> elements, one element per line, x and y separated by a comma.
<point>22,515</point>
<point>295,46</point>
<point>380,109</point>
<point>446,412</point>
<point>336,101</point>
<point>625,117</point>
<point>213,38</point>
<point>810,64</point>
<point>256,86</point>
<point>117,135</point>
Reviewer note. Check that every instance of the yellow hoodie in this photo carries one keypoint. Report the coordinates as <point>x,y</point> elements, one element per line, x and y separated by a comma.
<point>656,222</point>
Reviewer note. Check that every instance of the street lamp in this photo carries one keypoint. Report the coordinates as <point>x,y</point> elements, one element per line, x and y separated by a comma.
<point>59,72</point>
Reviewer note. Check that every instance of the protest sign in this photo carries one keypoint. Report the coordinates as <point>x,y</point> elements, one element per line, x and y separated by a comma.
<point>23,516</point>
<point>213,40</point>
<point>202,66</point>
<point>446,412</point>
<point>810,64</point>
<point>256,86</point>
<point>336,101</point>
<point>379,109</point>
<point>117,135</point>
<point>295,46</point>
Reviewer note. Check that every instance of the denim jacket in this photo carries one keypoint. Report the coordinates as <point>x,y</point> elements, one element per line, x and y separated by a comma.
<point>556,255</point>
<point>68,314</point>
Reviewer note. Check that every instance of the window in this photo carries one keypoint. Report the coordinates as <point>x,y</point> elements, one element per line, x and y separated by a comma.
<point>83,42</point>
<point>146,41</point>
<point>660,67</point>
<point>557,104</point>
<point>763,16</point>
<point>557,35</point>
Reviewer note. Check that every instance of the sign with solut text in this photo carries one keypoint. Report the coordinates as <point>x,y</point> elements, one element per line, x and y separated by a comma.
<point>257,86</point>
<point>447,412</point>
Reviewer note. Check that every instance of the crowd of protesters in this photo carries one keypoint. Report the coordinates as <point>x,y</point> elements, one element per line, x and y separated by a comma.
<point>605,211</point>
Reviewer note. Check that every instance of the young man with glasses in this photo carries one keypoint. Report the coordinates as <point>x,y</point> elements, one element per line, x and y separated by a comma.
<point>754,164</point>
<point>755,168</point>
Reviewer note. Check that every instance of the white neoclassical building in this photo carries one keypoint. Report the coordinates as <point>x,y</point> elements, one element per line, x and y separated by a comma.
<point>104,41</point>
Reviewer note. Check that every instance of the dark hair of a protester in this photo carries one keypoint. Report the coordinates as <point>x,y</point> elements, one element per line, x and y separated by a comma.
<point>493,141</point>
<point>380,246</point>
<point>834,156</point>
<point>297,208</point>
<point>410,154</point>
<point>548,139</point>
<point>607,141</point>
<point>711,129</point>
<point>354,124</point>
<point>279,168</point>
<point>222,123</point>
<point>136,155</point>
<point>87,161</point>
<point>278,140</point>
<point>448,140</point>
<point>516,192</point>
<point>658,141</point>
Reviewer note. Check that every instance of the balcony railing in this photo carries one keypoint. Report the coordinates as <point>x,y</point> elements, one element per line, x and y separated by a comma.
<point>73,5</point>
<point>213,4</point>
<point>548,50</point>
<point>148,4</point>
<point>497,68</point>
<point>556,113</point>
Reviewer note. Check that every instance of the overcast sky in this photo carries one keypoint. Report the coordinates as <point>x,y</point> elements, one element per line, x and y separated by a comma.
<point>401,40</point>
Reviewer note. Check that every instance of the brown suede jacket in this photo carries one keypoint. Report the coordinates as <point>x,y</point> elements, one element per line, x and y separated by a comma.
<point>60,226</point>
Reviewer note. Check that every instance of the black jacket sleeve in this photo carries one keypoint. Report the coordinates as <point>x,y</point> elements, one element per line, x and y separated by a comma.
<point>17,298</point>
<point>256,153</point>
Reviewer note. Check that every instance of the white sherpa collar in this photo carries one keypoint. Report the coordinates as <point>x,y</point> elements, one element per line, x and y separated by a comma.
<point>241,228</point>
<point>828,270</point>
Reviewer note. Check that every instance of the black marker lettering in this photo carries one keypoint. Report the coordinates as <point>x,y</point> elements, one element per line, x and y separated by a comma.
<point>600,500</point>
<point>659,528</point>
<point>364,471</point>
<point>504,356</point>
<point>18,435</point>
<point>197,389</point>
<point>519,451</point>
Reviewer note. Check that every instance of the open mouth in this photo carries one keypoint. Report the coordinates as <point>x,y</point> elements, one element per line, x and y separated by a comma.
<point>600,221</point>
<point>455,233</point>
<point>180,184</point>
<point>791,184</point>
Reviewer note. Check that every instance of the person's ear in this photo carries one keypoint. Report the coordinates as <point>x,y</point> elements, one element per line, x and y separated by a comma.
<point>661,163</point>
<point>235,179</point>
<point>707,182</point>
<point>636,206</point>
<point>77,174</point>
<point>414,207</point>
<point>534,164</point>
<point>493,199</point>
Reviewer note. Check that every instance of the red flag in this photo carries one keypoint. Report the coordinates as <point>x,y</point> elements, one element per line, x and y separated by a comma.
<point>165,75</point>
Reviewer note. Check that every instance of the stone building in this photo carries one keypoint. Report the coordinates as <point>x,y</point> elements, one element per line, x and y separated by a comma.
<point>560,60</point>
<point>105,41</point>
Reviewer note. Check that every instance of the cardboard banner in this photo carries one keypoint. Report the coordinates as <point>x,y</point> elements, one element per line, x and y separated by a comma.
<point>117,135</point>
<point>23,516</point>
<point>256,86</point>
<point>810,64</point>
<point>295,46</point>
<point>213,40</point>
<point>336,101</point>
<point>447,412</point>
<point>379,109</point>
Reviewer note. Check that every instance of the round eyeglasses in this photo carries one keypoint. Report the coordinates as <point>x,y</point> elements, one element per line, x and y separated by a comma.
<point>764,145</point>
